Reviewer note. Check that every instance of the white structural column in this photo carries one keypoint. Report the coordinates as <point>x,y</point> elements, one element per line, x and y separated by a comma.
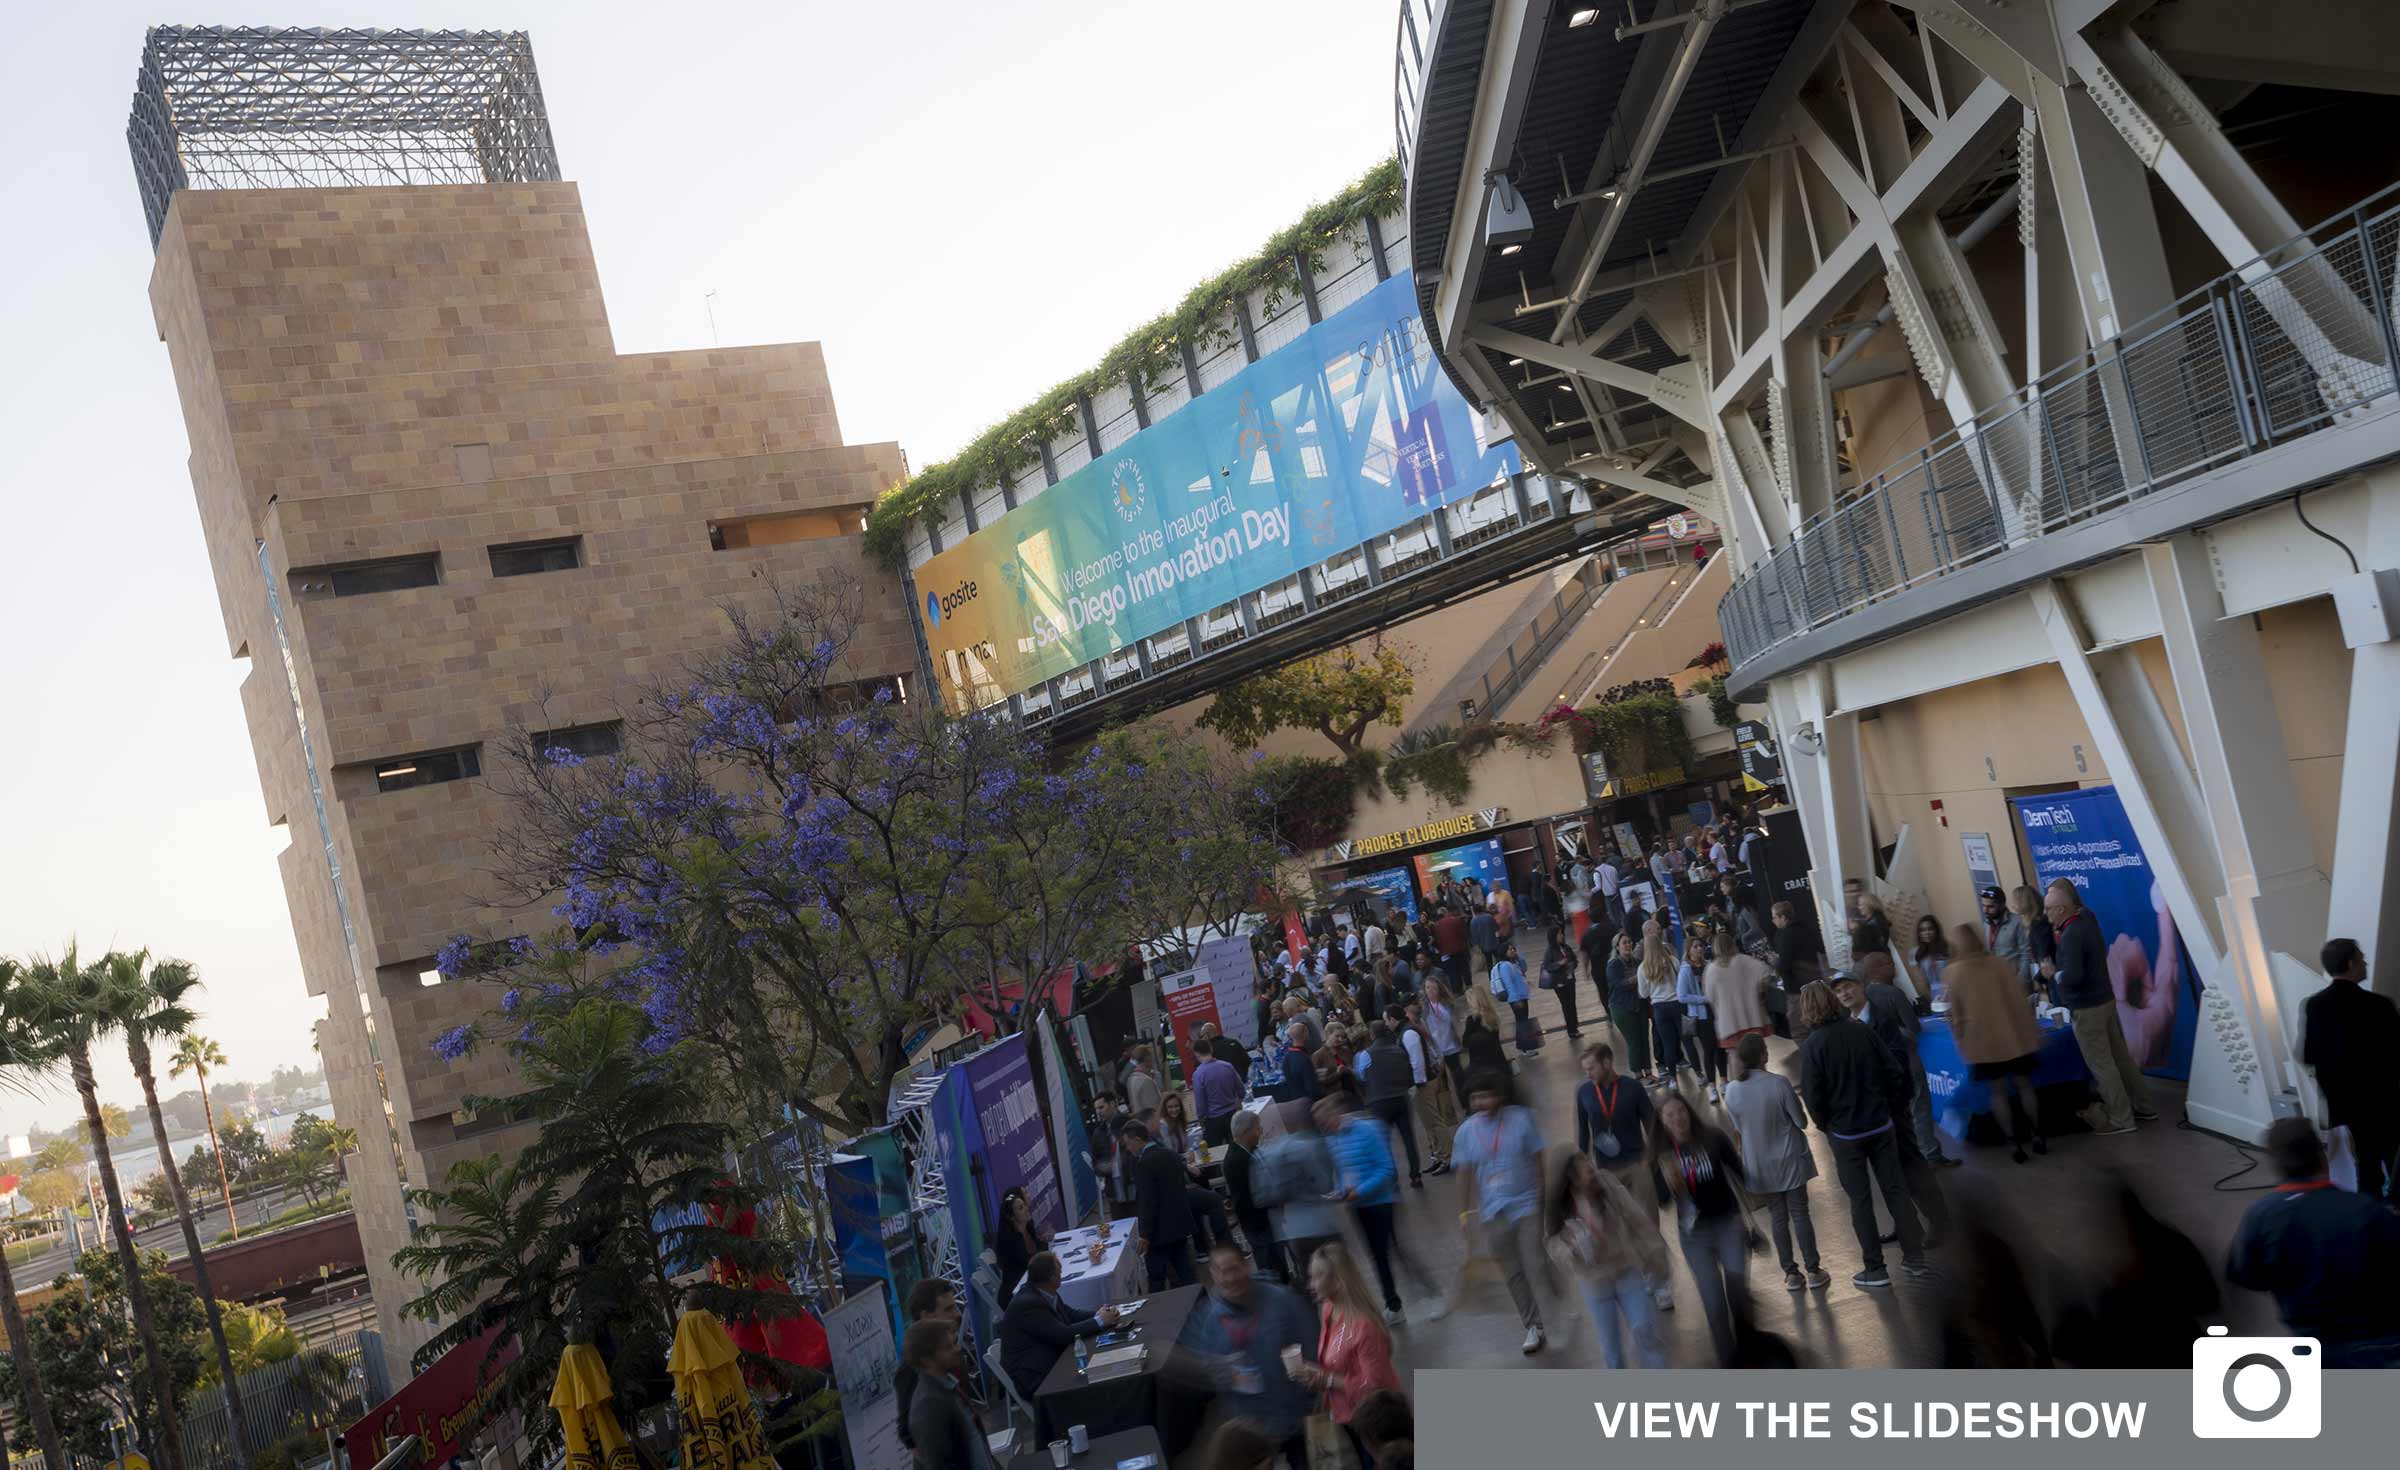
<point>2365,902</point>
<point>2100,193</point>
<point>1827,775</point>
<point>2232,1088</point>
<point>2276,898</point>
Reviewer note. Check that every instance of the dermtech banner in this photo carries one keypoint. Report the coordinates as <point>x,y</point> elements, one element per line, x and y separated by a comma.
<point>1346,432</point>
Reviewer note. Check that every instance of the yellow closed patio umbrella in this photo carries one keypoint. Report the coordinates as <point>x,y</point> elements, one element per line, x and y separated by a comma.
<point>582,1397</point>
<point>720,1428</point>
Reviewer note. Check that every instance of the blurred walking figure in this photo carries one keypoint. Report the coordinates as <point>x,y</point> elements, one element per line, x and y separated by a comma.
<point>1991,1315</point>
<point>2331,1258</point>
<point>1362,1150</point>
<point>2146,1293</point>
<point>1295,1180</point>
<point>2079,978</point>
<point>1854,1090</point>
<point>1772,1130</point>
<point>1993,1026</point>
<point>1498,1153</point>
<point>1610,1247</point>
<point>1704,1175</point>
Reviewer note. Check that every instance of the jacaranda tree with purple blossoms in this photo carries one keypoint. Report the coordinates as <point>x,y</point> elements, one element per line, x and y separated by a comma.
<point>800,874</point>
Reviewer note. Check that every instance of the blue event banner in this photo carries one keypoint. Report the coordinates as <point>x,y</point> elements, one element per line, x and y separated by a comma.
<point>1347,432</point>
<point>2084,837</point>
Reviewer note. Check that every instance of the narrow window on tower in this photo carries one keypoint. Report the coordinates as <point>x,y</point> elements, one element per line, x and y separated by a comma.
<point>581,741</point>
<point>360,578</point>
<point>524,558</point>
<point>427,768</point>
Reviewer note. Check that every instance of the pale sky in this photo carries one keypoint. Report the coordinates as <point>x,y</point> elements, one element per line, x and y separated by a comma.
<point>964,202</point>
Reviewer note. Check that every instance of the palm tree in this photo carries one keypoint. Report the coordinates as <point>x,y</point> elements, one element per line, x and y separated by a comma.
<point>72,1005</point>
<point>18,1048</point>
<point>196,1054</point>
<point>153,1007</point>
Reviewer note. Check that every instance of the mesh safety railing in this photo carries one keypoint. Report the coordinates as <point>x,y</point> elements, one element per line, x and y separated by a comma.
<point>2281,348</point>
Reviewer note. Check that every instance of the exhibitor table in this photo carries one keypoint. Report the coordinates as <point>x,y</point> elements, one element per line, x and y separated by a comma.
<point>1117,1277</point>
<point>1958,1099</point>
<point>1140,1397</point>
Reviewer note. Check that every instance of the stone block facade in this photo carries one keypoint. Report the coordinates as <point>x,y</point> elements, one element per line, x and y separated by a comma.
<point>377,373</point>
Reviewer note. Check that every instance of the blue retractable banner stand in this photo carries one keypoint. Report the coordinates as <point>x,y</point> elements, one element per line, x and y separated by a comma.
<point>2085,838</point>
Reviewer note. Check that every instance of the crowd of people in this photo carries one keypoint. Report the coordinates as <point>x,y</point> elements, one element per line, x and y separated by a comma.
<point>1390,1051</point>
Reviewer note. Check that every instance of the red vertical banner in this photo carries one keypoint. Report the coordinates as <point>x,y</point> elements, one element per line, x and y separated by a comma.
<point>1189,999</point>
<point>1294,934</point>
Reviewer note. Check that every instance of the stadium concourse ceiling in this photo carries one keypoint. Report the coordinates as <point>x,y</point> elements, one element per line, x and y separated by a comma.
<point>1573,100</point>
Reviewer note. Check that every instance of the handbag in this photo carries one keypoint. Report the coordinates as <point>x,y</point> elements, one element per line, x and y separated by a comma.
<point>1328,1447</point>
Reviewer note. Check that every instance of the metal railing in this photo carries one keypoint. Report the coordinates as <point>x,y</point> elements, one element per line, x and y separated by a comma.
<point>2289,344</point>
<point>1412,52</point>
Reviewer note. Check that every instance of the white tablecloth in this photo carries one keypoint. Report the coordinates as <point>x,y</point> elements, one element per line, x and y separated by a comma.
<point>1118,1277</point>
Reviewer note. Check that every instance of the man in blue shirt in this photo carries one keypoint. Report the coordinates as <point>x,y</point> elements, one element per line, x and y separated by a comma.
<point>1362,1151</point>
<point>1508,984</point>
<point>1498,1152</point>
<point>1241,1330</point>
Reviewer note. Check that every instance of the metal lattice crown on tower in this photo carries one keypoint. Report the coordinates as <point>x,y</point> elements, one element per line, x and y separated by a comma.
<point>246,107</point>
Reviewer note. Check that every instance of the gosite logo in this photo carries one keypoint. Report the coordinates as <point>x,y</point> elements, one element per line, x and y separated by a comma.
<point>939,606</point>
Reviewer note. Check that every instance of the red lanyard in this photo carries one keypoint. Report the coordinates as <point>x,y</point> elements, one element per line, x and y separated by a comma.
<point>1608,1104</point>
<point>2303,1186</point>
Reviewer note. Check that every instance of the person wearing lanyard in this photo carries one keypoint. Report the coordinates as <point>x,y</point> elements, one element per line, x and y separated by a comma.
<point>1613,1114</point>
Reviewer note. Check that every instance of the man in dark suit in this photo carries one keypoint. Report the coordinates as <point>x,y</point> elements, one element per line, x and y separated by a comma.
<point>2349,1037</point>
<point>1039,1325</point>
<point>1162,1210</point>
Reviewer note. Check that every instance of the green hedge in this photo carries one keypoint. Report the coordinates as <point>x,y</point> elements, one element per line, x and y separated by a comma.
<point>1148,355</point>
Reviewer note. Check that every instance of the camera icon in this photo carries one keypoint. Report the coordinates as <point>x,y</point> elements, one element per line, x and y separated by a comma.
<point>2257,1387</point>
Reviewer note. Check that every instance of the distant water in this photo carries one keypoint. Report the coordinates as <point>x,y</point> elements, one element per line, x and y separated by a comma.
<point>137,1164</point>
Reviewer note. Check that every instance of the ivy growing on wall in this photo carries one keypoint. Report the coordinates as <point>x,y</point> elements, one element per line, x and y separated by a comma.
<point>1149,356</point>
<point>1720,704</point>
